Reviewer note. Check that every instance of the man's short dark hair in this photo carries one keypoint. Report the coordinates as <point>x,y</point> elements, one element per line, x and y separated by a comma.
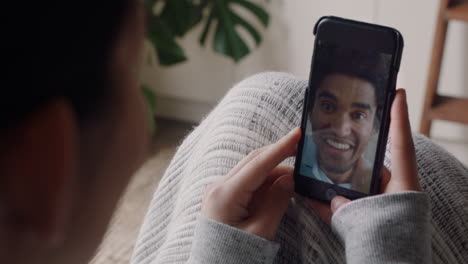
<point>57,49</point>
<point>367,65</point>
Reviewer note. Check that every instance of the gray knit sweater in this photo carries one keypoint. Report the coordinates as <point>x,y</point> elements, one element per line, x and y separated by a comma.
<point>257,112</point>
<point>391,228</point>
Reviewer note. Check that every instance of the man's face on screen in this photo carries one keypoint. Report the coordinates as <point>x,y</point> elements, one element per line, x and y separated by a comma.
<point>342,121</point>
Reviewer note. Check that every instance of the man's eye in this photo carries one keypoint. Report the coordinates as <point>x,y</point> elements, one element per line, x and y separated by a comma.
<point>359,116</point>
<point>327,107</point>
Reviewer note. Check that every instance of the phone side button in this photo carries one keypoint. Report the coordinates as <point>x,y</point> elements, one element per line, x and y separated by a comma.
<point>330,194</point>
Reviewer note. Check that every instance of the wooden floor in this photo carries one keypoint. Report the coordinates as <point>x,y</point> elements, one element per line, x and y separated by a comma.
<point>120,238</point>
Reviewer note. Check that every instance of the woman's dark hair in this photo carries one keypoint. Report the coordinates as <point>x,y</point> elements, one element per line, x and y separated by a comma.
<point>367,65</point>
<point>58,49</point>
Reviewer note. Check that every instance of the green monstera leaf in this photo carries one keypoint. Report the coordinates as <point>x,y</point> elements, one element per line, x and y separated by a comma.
<point>163,39</point>
<point>169,20</point>
<point>172,19</point>
<point>227,40</point>
<point>150,103</point>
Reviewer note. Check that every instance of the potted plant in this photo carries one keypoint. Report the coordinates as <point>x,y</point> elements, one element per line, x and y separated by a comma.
<point>170,20</point>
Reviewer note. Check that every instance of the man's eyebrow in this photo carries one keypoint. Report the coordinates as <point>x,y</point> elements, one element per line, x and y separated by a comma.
<point>327,95</point>
<point>362,105</point>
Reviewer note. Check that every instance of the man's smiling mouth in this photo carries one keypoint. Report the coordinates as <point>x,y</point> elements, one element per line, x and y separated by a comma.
<point>338,145</point>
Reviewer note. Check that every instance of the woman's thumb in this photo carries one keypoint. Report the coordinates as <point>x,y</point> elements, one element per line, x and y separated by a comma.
<point>404,166</point>
<point>338,202</point>
<point>275,204</point>
<point>285,183</point>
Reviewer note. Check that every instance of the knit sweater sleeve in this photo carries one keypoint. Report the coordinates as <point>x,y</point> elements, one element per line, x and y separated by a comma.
<point>389,228</point>
<point>215,242</point>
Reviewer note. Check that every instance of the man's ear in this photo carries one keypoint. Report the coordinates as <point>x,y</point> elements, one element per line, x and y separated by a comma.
<point>37,166</point>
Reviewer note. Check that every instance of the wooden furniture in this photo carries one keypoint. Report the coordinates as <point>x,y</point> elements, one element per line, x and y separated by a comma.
<point>436,106</point>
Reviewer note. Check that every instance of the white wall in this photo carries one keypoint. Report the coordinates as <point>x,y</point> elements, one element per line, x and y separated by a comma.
<point>188,91</point>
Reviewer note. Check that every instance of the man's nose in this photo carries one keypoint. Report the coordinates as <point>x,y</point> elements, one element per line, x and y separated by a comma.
<point>341,126</point>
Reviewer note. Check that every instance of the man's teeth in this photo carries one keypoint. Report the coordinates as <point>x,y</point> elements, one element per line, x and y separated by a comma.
<point>338,145</point>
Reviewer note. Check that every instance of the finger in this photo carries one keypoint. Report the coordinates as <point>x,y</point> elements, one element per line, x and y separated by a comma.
<point>258,195</point>
<point>267,218</point>
<point>404,168</point>
<point>277,172</point>
<point>247,159</point>
<point>338,202</point>
<point>386,176</point>
<point>322,209</point>
<point>254,173</point>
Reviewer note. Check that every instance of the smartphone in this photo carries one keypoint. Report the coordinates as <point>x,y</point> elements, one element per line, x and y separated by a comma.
<point>346,114</point>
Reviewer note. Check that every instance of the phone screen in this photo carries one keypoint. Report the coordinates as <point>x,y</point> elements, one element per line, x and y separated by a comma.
<point>347,91</point>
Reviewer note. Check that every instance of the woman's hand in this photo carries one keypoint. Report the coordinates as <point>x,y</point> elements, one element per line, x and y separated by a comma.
<point>255,194</point>
<point>404,176</point>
